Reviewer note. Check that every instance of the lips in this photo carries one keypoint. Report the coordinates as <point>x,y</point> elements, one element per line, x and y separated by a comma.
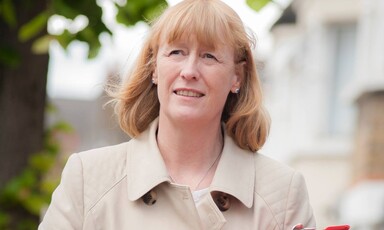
<point>188,93</point>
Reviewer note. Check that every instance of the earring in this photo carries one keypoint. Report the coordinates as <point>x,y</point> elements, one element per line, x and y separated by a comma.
<point>153,81</point>
<point>237,90</point>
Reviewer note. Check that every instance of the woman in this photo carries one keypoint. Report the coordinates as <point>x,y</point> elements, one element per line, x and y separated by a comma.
<point>192,106</point>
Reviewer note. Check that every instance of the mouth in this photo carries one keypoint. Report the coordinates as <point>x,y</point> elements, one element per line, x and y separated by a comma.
<point>188,93</point>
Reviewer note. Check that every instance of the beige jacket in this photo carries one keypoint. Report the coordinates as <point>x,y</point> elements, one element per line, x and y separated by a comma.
<point>127,187</point>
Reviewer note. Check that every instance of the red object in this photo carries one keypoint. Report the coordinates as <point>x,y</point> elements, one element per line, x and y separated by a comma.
<point>338,227</point>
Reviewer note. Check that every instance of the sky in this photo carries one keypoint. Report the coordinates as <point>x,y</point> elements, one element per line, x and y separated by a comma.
<point>72,76</point>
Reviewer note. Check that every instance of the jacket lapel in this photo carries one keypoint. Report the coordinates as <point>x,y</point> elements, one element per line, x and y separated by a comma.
<point>145,166</point>
<point>235,174</point>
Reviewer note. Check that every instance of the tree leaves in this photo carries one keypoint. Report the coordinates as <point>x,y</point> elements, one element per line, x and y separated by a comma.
<point>31,190</point>
<point>9,55</point>
<point>135,11</point>
<point>128,14</point>
<point>8,13</point>
<point>90,34</point>
<point>257,5</point>
<point>33,27</point>
<point>41,45</point>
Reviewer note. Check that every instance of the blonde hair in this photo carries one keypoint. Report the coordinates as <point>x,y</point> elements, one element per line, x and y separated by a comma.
<point>212,22</point>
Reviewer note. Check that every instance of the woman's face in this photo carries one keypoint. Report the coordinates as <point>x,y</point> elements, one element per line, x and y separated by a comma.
<point>194,80</point>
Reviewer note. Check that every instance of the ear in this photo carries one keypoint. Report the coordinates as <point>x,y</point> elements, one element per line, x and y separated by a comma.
<point>239,76</point>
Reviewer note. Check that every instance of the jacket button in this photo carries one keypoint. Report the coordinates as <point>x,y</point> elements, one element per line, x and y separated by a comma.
<point>222,200</point>
<point>150,198</point>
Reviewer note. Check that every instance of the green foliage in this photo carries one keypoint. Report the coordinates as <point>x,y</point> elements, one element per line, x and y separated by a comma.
<point>41,45</point>
<point>26,194</point>
<point>33,27</point>
<point>9,56</point>
<point>90,35</point>
<point>8,13</point>
<point>135,11</point>
<point>129,14</point>
<point>257,5</point>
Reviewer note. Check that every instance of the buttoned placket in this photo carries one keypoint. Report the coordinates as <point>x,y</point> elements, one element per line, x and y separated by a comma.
<point>210,215</point>
<point>207,213</point>
<point>146,156</point>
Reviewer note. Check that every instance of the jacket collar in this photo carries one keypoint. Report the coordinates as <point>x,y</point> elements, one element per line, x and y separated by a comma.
<point>145,165</point>
<point>146,168</point>
<point>235,174</point>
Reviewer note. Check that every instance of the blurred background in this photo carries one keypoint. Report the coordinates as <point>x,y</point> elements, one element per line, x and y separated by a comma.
<point>321,63</point>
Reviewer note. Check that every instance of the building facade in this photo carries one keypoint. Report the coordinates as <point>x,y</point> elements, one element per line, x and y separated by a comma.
<point>325,90</point>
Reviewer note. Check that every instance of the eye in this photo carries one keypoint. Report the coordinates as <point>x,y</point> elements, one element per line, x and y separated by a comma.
<point>175,52</point>
<point>210,56</point>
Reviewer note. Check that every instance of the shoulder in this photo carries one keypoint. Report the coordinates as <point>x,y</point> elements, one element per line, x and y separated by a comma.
<point>104,157</point>
<point>272,176</point>
<point>277,185</point>
<point>105,162</point>
<point>268,169</point>
<point>102,170</point>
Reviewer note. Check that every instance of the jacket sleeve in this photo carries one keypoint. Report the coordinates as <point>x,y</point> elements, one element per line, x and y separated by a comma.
<point>299,210</point>
<point>67,204</point>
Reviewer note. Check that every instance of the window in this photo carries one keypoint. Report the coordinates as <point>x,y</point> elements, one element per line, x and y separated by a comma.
<point>341,115</point>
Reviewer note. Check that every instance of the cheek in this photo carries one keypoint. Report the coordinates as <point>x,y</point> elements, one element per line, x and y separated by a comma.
<point>160,93</point>
<point>163,68</point>
<point>230,79</point>
<point>166,76</point>
<point>164,83</point>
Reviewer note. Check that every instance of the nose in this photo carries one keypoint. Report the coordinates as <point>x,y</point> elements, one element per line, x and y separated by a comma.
<point>190,69</point>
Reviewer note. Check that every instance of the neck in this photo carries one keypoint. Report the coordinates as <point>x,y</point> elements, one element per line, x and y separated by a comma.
<point>189,150</point>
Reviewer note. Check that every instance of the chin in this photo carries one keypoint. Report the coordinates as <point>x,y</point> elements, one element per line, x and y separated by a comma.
<point>191,118</point>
